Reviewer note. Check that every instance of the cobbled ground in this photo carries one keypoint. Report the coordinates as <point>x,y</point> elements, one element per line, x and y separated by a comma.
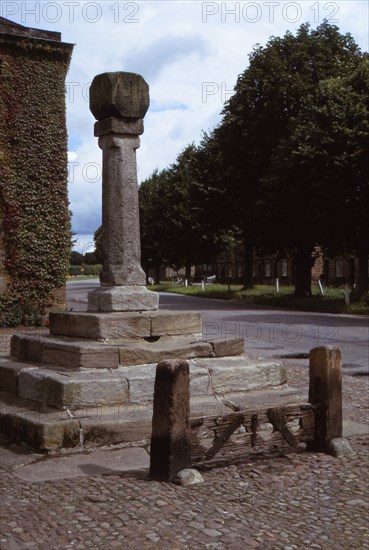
<point>297,501</point>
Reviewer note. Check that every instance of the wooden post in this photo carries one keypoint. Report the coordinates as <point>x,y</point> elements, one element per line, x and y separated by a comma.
<point>170,438</point>
<point>325,392</point>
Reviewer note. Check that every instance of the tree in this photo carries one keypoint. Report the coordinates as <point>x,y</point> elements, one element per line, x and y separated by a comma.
<point>276,197</point>
<point>98,244</point>
<point>76,258</point>
<point>179,226</point>
<point>329,146</point>
<point>154,199</point>
<point>90,258</point>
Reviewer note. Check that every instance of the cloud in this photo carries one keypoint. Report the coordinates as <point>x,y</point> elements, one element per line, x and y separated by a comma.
<point>84,183</point>
<point>162,53</point>
<point>169,105</point>
<point>72,156</point>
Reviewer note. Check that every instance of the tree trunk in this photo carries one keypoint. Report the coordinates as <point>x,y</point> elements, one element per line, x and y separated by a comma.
<point>157,271</point>
<point>363,266</point>
<point>304,263</point>
<point>248,279</point>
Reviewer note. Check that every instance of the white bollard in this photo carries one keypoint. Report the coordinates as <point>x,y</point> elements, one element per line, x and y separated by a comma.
<point>186,283</point>
<point>277,285</point>
<point>321,287</point>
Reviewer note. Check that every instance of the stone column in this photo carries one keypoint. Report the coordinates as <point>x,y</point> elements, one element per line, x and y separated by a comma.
<point>119,102</point>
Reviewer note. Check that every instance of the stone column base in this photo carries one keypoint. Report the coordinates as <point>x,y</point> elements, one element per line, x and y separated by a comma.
<point>122,298</point>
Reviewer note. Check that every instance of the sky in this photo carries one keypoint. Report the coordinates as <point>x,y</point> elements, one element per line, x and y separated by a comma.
<point>189,52</point>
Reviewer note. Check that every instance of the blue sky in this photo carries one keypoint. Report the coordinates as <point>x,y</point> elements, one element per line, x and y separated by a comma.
<point>189,52</point>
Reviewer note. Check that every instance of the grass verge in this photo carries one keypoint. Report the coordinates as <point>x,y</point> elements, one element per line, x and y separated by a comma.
<point>73,278</point>
<point>332,302</point>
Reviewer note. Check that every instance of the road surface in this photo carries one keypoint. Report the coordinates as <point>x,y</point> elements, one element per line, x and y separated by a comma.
<point>267,331</point>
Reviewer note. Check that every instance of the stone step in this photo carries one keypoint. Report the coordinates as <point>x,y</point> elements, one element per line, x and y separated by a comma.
<point>119,325</point>
<point>76,354</point>
<point>64,387</point>
<point>45,429</point>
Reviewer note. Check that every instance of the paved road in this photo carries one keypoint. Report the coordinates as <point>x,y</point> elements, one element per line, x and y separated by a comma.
<point>268,332</point>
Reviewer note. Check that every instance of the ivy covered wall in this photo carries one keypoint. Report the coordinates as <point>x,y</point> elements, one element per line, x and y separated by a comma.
<point>34,215</point>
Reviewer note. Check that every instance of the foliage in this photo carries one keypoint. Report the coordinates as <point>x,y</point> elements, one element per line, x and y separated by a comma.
<point>154,203</point>
<point>90,258</point>
<point>14,313</point>
<point>178,227</point>
<point>98,244</point>
<point>329,147</point>
<point>33,173</point>
<point>266,131</point>
<point>76,258</point>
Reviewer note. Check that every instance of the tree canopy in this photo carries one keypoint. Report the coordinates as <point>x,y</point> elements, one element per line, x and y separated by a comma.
<point>294,137</point>
<point>178,227</point>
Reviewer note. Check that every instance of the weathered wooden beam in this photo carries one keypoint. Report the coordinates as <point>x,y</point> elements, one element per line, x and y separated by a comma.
<point>254,427</point>
<point>219,441</point>
<point>280,425</point>
<point>256,438</point>
<point>289,412</point>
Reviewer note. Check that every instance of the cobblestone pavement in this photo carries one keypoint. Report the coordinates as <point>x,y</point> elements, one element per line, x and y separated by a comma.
<point>296,501</point>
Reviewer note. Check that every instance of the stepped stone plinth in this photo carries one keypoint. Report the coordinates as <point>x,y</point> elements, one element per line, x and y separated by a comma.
<point>91,380</point>
<point>55,405</point>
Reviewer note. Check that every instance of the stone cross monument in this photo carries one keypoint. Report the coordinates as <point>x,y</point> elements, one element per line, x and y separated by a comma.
<point>107,357</point>
<point>119,102</point>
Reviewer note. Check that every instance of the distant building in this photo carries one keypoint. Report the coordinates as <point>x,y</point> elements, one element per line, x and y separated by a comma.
<point>229,267</point>
<point>332,270</point>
